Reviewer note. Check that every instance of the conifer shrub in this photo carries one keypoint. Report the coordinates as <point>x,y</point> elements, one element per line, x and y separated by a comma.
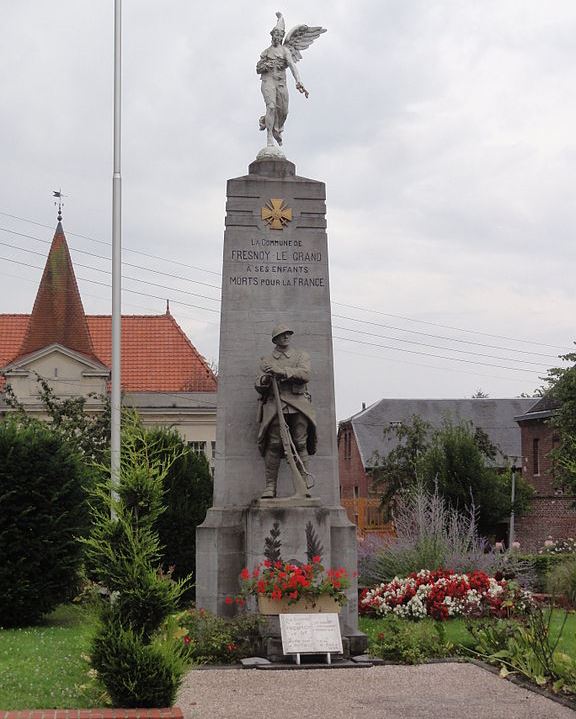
<point>138,663</point>
<point>188,490</point>
<point>42,512</point>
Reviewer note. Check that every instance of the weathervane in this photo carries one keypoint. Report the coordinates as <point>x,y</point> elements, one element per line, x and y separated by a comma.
<point>58,194</point>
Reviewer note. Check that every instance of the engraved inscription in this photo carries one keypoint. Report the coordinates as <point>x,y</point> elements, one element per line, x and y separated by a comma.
<point>274,263</point>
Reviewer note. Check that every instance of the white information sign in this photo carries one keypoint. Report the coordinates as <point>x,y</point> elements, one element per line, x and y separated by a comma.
<point>310,633</point>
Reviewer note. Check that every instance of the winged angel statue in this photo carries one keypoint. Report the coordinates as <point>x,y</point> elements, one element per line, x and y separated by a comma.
<point>272,68</point>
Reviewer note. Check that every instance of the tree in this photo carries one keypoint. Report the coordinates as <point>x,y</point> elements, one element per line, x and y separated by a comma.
<point>459,460</point>
<point>398,469</point>
<point>88,432</point>
<point>139,665</point>
<point>188,488</point>
<point>42,512</point>
<point>561,389</point>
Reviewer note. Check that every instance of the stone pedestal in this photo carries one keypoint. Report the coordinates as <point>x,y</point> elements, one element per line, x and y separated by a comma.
<point>275,271</point>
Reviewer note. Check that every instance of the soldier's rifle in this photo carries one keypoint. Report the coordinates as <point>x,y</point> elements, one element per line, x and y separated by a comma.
<point>300,485</point>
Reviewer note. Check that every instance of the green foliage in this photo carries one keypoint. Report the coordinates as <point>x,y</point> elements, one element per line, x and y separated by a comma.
<point>87,431</point>
<point>42,511</point>
<point>398,469</point>
<point>561,386</point>
<point>528,649</point>
<point>213,640</point>
<point>458,458</point>
<point>431,534</point>
<point>542,565</point>
<point>137,672</point>
<point>400,641</point>
<point>188,491</point>
<point>137,665</point>
<point>562,580</point>
<point>44,666</point>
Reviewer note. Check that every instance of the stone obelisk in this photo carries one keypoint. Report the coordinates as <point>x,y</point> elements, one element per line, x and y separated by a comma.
<point>275,272</point>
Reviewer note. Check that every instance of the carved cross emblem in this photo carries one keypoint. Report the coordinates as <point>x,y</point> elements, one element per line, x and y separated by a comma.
<point>276,214</point>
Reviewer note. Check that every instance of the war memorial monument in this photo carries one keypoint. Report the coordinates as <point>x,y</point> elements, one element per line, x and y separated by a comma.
<point>276,468</point>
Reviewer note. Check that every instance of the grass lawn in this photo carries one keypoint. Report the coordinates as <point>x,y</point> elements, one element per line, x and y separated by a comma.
<point>41,667</point>
<point>457,633</point>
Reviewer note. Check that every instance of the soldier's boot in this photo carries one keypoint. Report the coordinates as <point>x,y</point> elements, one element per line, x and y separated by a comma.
<point>272,462</point>
<point>301,487</point>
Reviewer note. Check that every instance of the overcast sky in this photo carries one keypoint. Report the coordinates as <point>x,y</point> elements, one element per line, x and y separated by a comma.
<point>444,130</point>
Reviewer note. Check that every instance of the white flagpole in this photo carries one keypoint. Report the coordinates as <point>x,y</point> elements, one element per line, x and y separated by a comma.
<point>115,399</point>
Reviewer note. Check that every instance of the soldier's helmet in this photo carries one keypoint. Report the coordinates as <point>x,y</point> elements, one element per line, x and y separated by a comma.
<point>280,330</point>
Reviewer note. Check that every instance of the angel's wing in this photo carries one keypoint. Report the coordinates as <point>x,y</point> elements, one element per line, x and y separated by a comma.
<point>301,37</point>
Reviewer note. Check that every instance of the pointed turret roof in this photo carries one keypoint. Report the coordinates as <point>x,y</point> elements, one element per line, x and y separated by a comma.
<point>58,315</point>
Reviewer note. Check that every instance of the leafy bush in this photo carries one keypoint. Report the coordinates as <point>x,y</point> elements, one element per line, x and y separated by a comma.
<point>213,640</point>
<point>529,649</point>
<point>433,535</point>
<point>541,566</point>
<point>136,673</point>
<point>368,550</point>
<point>562,580</point>
<point>138,665</point>
<point>458,458</point>
<point>187,495</point>
<point>398,641</point>
<point>42,510</point>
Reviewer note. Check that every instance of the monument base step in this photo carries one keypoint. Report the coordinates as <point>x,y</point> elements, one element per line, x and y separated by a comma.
<point>284,502</point>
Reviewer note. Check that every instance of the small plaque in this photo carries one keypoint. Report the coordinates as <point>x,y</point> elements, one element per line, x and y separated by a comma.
<point>310,633</point>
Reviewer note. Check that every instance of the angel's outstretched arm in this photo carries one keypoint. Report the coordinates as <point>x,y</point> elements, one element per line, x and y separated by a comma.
<point>294,70</point>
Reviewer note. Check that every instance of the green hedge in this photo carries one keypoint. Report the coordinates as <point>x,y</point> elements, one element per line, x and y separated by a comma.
<point>42,512</point>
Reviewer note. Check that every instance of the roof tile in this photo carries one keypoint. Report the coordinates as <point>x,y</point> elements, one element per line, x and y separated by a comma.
<point>156,354</point>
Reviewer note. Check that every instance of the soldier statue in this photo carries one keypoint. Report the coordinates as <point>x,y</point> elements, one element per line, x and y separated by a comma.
<point>286,415</point>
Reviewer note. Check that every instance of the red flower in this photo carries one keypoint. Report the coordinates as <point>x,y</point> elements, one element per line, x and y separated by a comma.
<point>229,600</point>
<point>245,574</point>
<point>186,639</point>
<point>316,559</point>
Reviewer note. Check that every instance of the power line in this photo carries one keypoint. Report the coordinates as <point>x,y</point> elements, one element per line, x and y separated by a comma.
<point>124,289</point>
<point>429,366</point>
<point>109,244</point>
<point>443,337</point>
<point>426,344</point>
<point>108,272</point>
<point>429,354</point>
<point>357,307</point>
<point>449,327</point>
<point>347,339</point>
<point>102,257</point>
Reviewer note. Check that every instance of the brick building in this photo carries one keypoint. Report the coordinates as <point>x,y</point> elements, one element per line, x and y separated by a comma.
<point>362,435</point>
<point>164,377</point>
<point>551,512</point>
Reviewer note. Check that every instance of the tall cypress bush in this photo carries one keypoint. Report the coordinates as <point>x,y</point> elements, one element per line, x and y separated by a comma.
<point>188,491</point>
<point>138,664</point>
<point>42,512</point>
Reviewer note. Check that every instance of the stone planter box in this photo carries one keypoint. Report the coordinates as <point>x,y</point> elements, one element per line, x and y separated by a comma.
<point>322,604</point>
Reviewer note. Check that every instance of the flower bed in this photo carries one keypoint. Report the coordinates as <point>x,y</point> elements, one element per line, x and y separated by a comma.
<point>283,581</point>
<point>443,594</point>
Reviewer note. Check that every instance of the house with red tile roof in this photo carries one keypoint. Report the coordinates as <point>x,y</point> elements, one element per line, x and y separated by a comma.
<point>163,375</point>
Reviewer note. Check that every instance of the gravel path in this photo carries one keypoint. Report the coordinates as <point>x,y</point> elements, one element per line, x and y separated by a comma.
<point>439,691</point>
